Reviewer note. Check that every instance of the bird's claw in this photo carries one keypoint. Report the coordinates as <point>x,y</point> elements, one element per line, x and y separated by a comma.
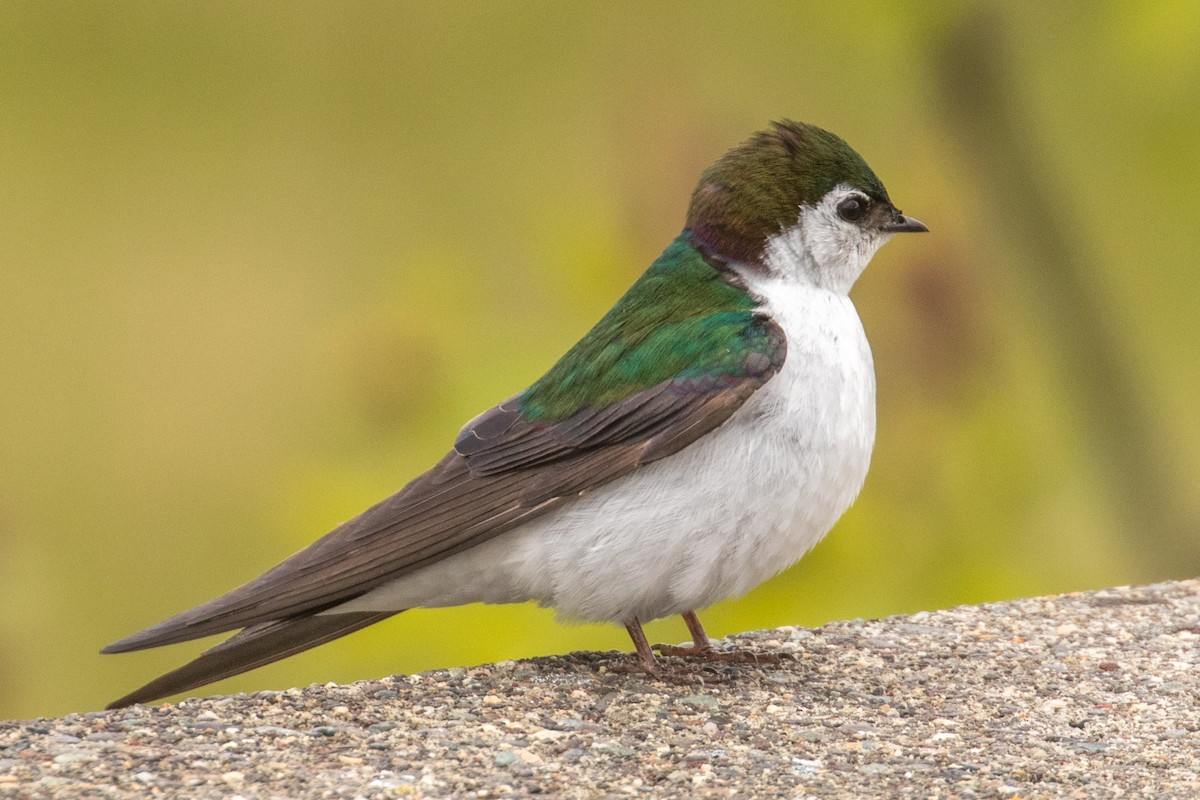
<point>713,654</point>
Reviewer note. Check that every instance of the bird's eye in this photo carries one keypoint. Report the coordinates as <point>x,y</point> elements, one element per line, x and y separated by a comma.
<point>853,208</point>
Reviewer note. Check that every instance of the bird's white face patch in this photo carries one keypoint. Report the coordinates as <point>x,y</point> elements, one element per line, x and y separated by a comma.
<point>823,249</point>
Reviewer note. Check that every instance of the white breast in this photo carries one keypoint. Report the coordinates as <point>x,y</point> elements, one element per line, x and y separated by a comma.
<point>710,522</point>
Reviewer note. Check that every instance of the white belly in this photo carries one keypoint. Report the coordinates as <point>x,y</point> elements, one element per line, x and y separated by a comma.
<point>710,522</point>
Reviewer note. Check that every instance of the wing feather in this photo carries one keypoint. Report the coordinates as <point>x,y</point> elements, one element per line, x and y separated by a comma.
<point>504,471</point>
<point>253,647</point>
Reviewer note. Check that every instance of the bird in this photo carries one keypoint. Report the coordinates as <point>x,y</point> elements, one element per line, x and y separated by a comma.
<point>699,439</point>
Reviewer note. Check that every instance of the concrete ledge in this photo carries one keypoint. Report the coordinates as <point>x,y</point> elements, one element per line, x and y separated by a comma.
<point>1085,695</point>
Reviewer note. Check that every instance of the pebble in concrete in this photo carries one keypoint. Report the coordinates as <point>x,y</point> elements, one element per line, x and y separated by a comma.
<point>1084,695</point>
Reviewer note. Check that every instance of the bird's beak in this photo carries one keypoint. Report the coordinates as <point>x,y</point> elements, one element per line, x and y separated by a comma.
<point>903,224</point>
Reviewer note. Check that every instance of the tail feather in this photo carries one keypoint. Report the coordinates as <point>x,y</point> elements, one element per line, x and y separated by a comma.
<point>255,646</point>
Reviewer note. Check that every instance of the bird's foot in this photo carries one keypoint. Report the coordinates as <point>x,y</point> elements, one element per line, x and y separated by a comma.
<point>713,654</point>
<point>701,649</point>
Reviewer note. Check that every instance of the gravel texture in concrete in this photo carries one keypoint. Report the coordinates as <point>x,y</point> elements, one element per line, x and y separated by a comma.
<point>1088,695</point>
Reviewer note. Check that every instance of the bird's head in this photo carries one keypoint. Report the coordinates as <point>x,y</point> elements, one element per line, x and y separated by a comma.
<point>797,202</point>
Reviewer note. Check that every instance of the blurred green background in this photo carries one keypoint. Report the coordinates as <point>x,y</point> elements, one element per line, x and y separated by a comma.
<point>260,261</point>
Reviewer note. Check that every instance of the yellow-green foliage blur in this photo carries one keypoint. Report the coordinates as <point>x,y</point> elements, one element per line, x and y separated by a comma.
<point>260,261</point>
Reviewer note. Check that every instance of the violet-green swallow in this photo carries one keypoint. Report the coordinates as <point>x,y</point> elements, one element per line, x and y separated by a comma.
<point>708,431</point>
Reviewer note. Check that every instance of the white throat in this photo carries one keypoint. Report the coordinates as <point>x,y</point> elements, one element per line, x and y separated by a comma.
<point>822,249</point>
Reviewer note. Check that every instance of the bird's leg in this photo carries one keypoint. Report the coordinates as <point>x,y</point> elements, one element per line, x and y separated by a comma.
<point>700,642</point>
<point>703,648</point>
<point>645,654</point>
